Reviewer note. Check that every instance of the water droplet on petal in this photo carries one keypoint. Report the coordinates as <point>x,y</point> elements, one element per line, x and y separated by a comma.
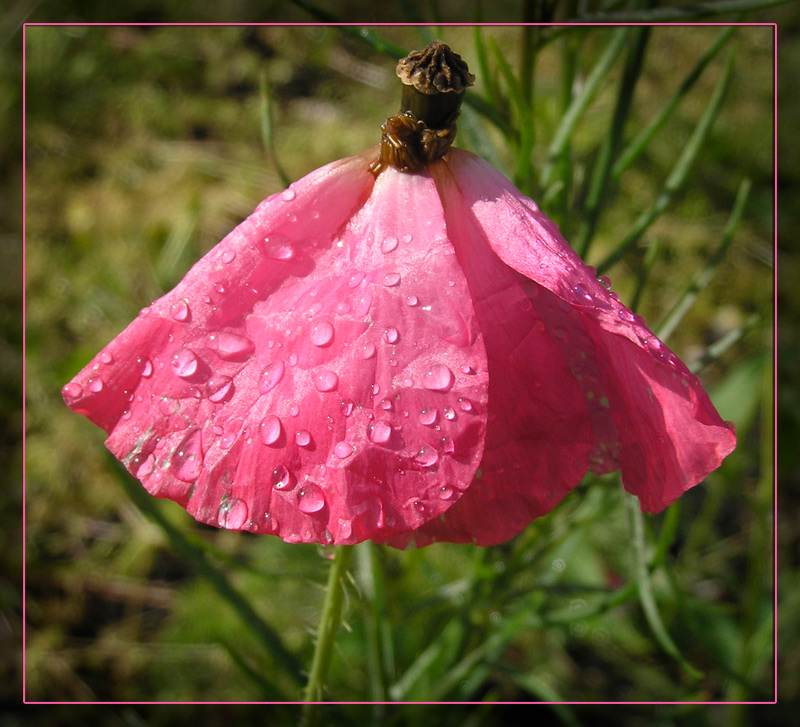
<point>380,432</point>
<point>386,405</point>
<point>412,300</point>
<point>355,278</point>
<point>429,416</point>
<point>581,292</point>
<point>368,350</point>
<point>388,244</point>
<point>626,315</point>
<point>376,389</point>
<point>343,450</point>
<point>391,334</point>
<point>271,376</point>
<point>449,413</point>
<point>467,369</point>
<point>391,279</point>
<point>228,256</point>
<point>465,405</point>
<point>232,346</point>
<point>95,384</point>
<point>438,378</point>
<point>288,195</point>
<point>180,310</point>
<point>144,312</point>
<point>277,247</point>
<point>187,459</point>
<point>105,357</point>
<point>232,515</point>
<point>281,478</point>
<point>322,333</point>
<point>72,390</point>
<point>303,438</point>
<point>347,407</point>
<point>445,492</point>
<point>270,429</point>
<point>294,410</point>
<point>325,380</point>
<point>427,456</point>
<point>142,465</point>
<point>446,445</point>
<point>147,367</point>
<point>310,498</point>
<point>219,388</point>
<point>185,363</point>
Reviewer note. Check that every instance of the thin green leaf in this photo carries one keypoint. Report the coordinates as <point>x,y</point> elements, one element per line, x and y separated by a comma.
<point>695,11</point>
<point>268,129</point>
<point>718,348</point>
<point>198,560</point>
<point>546,694</point>
<point>370,579</point>
<point>580,103</point>
<point>598,187</point>
<point>485,75</point>
<point>675,315</point>
<point>645,590</point>
<point>643,273</point>
<point>637,146</point>
<point>678,174</point>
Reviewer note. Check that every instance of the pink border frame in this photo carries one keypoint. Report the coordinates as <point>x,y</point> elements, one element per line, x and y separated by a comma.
<point>775,372</point>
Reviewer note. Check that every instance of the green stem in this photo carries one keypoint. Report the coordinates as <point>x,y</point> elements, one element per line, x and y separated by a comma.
<point>328,626</point>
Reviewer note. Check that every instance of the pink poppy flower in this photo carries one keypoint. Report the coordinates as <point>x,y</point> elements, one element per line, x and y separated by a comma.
<point>400,346</point>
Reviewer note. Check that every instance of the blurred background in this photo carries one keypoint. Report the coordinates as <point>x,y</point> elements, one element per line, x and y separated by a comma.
<point>146,145</point>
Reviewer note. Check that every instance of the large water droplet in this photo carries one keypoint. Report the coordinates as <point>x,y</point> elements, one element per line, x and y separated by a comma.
<point>270,429</point>
<point>142,465</point>
<point>388,244</point>
<point>322,333</point>
<point>303,438</point>
<point>310,498</point>
<point>445,492</point>
<point>232,514</point>
<point>271,376</point>
<point>465,405</point>
<point>380,432</point>
<point>412,300</point>
<point>391,279</point>
<point>185,363</point>
<point>427,456</point>
<point>391,334</point>
<point>219,388</point>
<point>438,378</point>
<point>147,367</point>
<point>72,390</point>
<point>95,385</point>
<point>281,478</point>
<point>105,357</point>
<point>386,405</point>
<point>233,347</point>
<point>277,247</point>
<point>325,380</point>
<point>187,459</point>
<point>180,311</point>
<point>288,194</point>
<point>449,413</point>
<point>429,416</point>
<point>343,450</point>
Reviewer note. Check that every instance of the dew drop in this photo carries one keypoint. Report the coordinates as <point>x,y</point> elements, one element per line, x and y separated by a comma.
<point>232,515</point>
<point>310,498</point>
<point>277,247</point>
<point>144,312</point>
<point>368,350</point>
<point>446,445</point>
<point>227,440</point>
<point>581,292</point>
<point>322,334</point>
<point>187,459</point>
<point>95,385</point>
<point>391,279</point>
<point>438,378</point>
<point>180,311</point>
<point>391,334</point>
<point>294,410</point>
<point>281,478</point>
<point>105,357</point>
<point>626,315</point>
<point>325,380</point>
<point>233,347</point>
<point>376,389</point>
<point>467,369</point>
<point>407,238</point>
<point>303,438</point>
<point>271,376</point>
<point>426,457</point>
<point>347,407</point>
<point>412,300</point>
<point>185,363</point>
<point>355,278</point>
<point>343,450</point>
<point>429,416</point>
<point>228,256</point>
<point>380,432</point>
<point>449,413</point>
<point>288,195</point>
<point>445,492</point>
<point>270,429</point>
<point>388,244</point>
<point>142,465</point>
<point>465,405</point>
<point>72,390</point>
<point>386,405</point>
<point>219,388</point>
<point>147,367</point>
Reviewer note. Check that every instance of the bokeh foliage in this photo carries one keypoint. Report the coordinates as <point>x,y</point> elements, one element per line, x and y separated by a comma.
<point>146,145</point>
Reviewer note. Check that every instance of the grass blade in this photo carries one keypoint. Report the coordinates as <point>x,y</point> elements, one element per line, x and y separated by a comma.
<point>678,174</point>
<point>268,129</point>
<point>695,11</point>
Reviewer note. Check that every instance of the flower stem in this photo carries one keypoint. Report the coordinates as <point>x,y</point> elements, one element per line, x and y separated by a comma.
<point>328,626</point>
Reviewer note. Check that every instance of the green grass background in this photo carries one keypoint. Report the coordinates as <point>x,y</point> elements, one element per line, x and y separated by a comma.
<point>144,148</point>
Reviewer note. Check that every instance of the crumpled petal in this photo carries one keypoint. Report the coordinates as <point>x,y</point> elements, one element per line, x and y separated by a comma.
<point>649,415</point>
<point>298,380</point>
